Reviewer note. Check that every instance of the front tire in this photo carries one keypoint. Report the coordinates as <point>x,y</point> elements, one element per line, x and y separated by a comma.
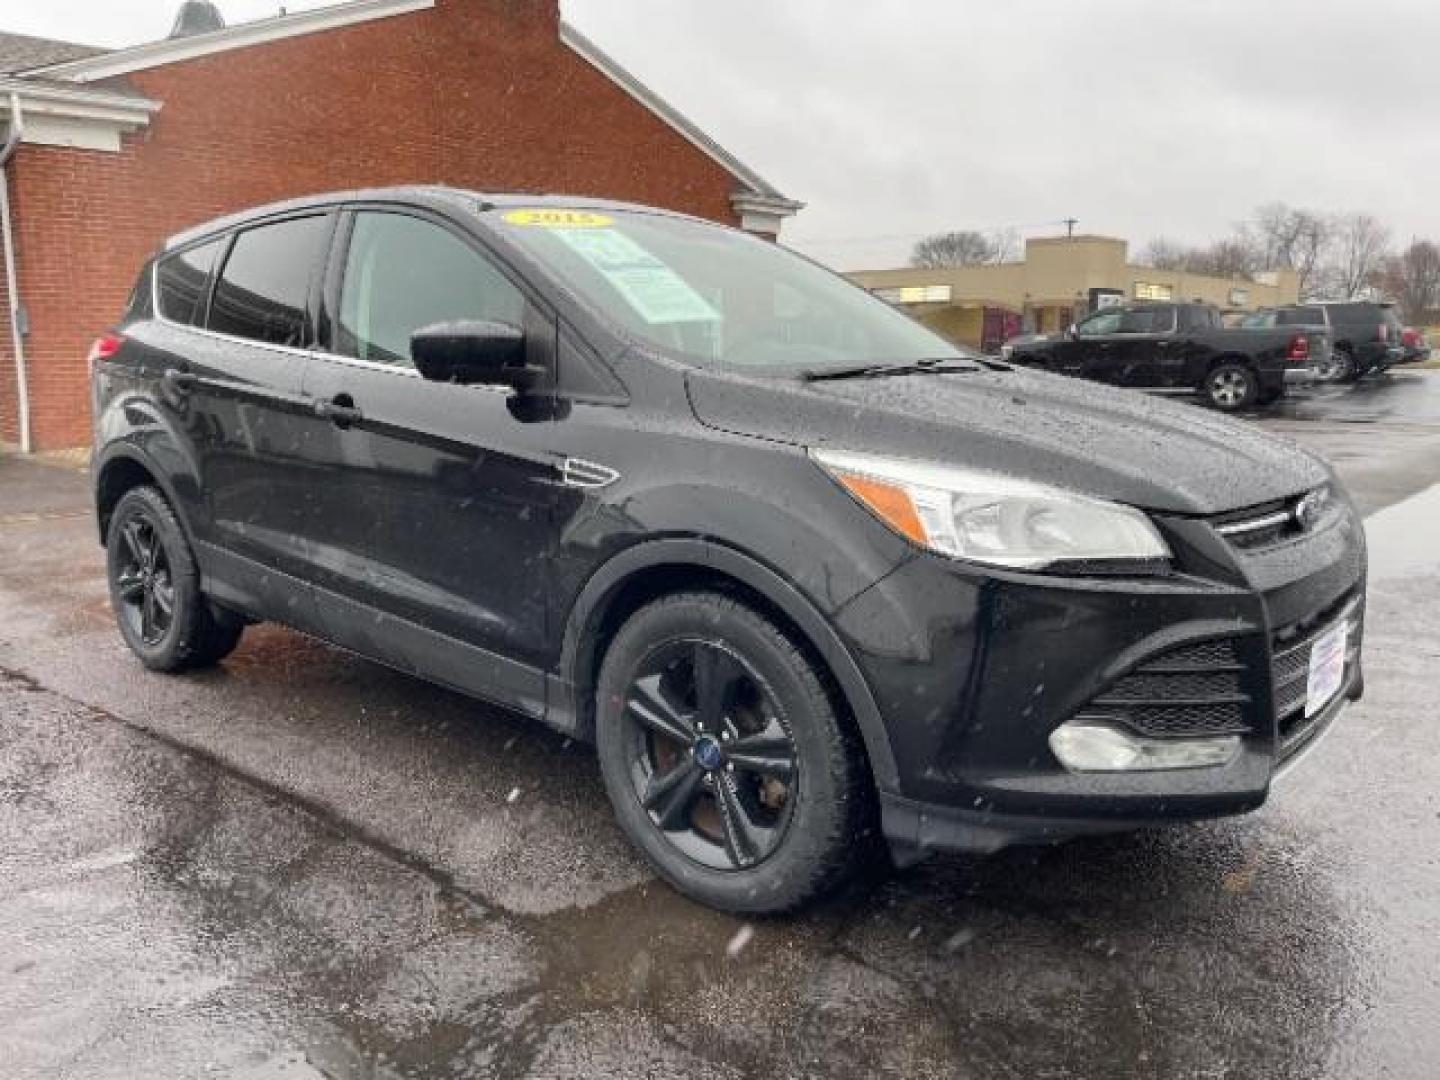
<point>1231,388</point>
<point>726,759</point>
<point>155,589</point>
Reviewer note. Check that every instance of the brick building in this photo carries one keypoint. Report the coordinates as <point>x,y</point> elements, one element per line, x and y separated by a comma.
<point>118,149</point>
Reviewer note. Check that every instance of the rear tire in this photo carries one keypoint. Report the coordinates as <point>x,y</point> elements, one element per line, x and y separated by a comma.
<point>1345,370</point>
<point>155,589</point>
<point>1231,387</point>
<point>686,767</point>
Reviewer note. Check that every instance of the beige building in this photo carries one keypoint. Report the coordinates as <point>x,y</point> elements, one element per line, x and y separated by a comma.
<point>1061,279</point>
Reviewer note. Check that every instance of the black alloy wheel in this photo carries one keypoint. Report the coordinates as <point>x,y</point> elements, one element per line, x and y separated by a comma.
<point>727,758</point>
<point>144,585</point>
<point>155,588</point>
<point>712,760</point>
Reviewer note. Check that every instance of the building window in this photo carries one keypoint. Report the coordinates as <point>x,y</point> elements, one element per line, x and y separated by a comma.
<point>1149,290</point>
<point>915,294</point>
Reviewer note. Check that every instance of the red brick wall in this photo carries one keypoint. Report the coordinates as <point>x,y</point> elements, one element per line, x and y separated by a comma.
<point>475,93</point>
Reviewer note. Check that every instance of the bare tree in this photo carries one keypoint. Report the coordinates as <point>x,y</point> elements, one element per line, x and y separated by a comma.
<point>1413,279</point>
<point>964,248</point>
<point>1234,257</point>
<point>1006,244</point>
<point>1361,243</point>
<point>1165,254</point>
<point>1291,239</point>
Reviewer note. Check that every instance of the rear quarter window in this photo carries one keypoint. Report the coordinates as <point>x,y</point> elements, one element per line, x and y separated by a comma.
<point>182,282</point>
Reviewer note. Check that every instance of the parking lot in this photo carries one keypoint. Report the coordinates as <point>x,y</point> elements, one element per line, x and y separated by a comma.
<point>304,865</point>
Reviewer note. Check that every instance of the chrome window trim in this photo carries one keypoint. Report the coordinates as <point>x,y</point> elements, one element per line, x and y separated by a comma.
<point>161,318</point>
<point>288,350</point>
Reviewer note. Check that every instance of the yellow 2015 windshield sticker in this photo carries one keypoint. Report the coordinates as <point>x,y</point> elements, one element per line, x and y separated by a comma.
<point>559,218</point>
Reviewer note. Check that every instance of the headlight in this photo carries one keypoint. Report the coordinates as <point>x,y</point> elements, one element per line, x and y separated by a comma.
<point>995,519</point>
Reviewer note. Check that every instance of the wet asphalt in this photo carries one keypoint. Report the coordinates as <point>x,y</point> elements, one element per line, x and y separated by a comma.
<point>304,865</point>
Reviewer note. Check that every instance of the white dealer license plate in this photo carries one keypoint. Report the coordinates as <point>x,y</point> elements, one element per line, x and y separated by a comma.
<point>1327,668</point>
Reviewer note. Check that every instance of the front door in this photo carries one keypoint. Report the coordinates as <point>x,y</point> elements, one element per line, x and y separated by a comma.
<point>435,536</point>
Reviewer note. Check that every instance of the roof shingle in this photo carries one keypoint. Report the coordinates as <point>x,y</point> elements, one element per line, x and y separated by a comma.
<point>20,52</point>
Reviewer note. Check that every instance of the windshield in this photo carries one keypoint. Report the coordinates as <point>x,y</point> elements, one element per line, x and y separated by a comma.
<point>717,296</point>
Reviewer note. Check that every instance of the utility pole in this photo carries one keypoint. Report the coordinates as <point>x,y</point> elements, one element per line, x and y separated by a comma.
<point>1070,224</point>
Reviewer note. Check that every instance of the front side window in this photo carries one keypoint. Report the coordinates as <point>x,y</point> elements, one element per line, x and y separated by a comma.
<point>403,273</point>
<point>263,291</point>
<point>717,297</point>
<point>1103,322</point>
<point>183,279</point>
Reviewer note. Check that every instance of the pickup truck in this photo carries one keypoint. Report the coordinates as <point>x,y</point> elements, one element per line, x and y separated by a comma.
<point>1180,346</point>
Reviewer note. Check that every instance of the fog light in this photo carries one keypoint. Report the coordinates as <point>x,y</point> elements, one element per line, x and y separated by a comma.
<point>1091,746</point>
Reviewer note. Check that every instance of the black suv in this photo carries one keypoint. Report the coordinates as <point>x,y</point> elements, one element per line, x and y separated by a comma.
<point>799,567</point>
<point>1367,335</point>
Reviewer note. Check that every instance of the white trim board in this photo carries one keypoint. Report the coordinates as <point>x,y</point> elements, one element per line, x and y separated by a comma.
<point>171,51</point>
<point>755,184</point>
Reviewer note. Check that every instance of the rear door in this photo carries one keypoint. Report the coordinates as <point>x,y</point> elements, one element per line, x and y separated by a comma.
<point>436,531</point>
<point>1147,349</point>
<point>237,386</point>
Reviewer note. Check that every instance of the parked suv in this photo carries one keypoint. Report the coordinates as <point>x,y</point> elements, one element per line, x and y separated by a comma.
<point>1365,334</point>
<point>1165,346</point>
<point>798,566</point>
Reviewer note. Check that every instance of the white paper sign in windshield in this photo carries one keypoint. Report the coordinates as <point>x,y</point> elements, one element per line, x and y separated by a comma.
<point>657,293</point>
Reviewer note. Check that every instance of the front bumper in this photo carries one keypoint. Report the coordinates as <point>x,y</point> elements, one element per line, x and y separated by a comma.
<point>973,671</point>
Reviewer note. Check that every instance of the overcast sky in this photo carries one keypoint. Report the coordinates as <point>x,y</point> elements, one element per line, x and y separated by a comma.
<point>894,119</point>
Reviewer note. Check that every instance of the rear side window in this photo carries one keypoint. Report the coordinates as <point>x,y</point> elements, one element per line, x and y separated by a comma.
<point>183,280</point>
<point>1300,316</point>
<point>1354,313</point>
<point>402,273</point>
<point>263,292</point>
<point>1147,321</point>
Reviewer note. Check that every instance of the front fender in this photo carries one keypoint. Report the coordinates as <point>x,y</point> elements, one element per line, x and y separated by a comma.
<point>578,649</point>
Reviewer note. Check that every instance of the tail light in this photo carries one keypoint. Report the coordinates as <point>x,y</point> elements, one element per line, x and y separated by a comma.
<point>1410,337</point>
<point>1384,332</point>
<point>1299,348</point>
<point>106,346</point>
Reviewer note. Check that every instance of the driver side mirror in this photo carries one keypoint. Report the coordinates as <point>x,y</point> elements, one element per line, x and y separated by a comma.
<point>472,351</point>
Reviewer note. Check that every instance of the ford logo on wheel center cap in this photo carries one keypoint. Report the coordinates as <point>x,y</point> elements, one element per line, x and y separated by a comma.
<point>708,753</point>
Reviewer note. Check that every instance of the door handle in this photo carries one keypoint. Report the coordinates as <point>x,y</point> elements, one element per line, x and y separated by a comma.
<point>182,382</point>
<point>339,410</point>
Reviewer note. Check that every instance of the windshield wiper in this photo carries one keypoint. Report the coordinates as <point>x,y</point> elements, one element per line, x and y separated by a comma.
<point>934,364</point>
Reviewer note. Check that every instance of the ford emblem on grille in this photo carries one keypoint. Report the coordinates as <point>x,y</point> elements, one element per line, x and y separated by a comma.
<point>1309,509</point>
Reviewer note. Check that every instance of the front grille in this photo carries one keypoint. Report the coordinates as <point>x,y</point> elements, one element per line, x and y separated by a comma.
<point>1259,526</point>
<point>1191,690</point>
<point>1290,667</point>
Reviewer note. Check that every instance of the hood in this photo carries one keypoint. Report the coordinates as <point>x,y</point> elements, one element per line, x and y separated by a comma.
<point>1082,436</point>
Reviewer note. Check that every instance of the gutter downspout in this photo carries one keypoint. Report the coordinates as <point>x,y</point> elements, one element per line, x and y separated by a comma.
<point>12,285</point>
